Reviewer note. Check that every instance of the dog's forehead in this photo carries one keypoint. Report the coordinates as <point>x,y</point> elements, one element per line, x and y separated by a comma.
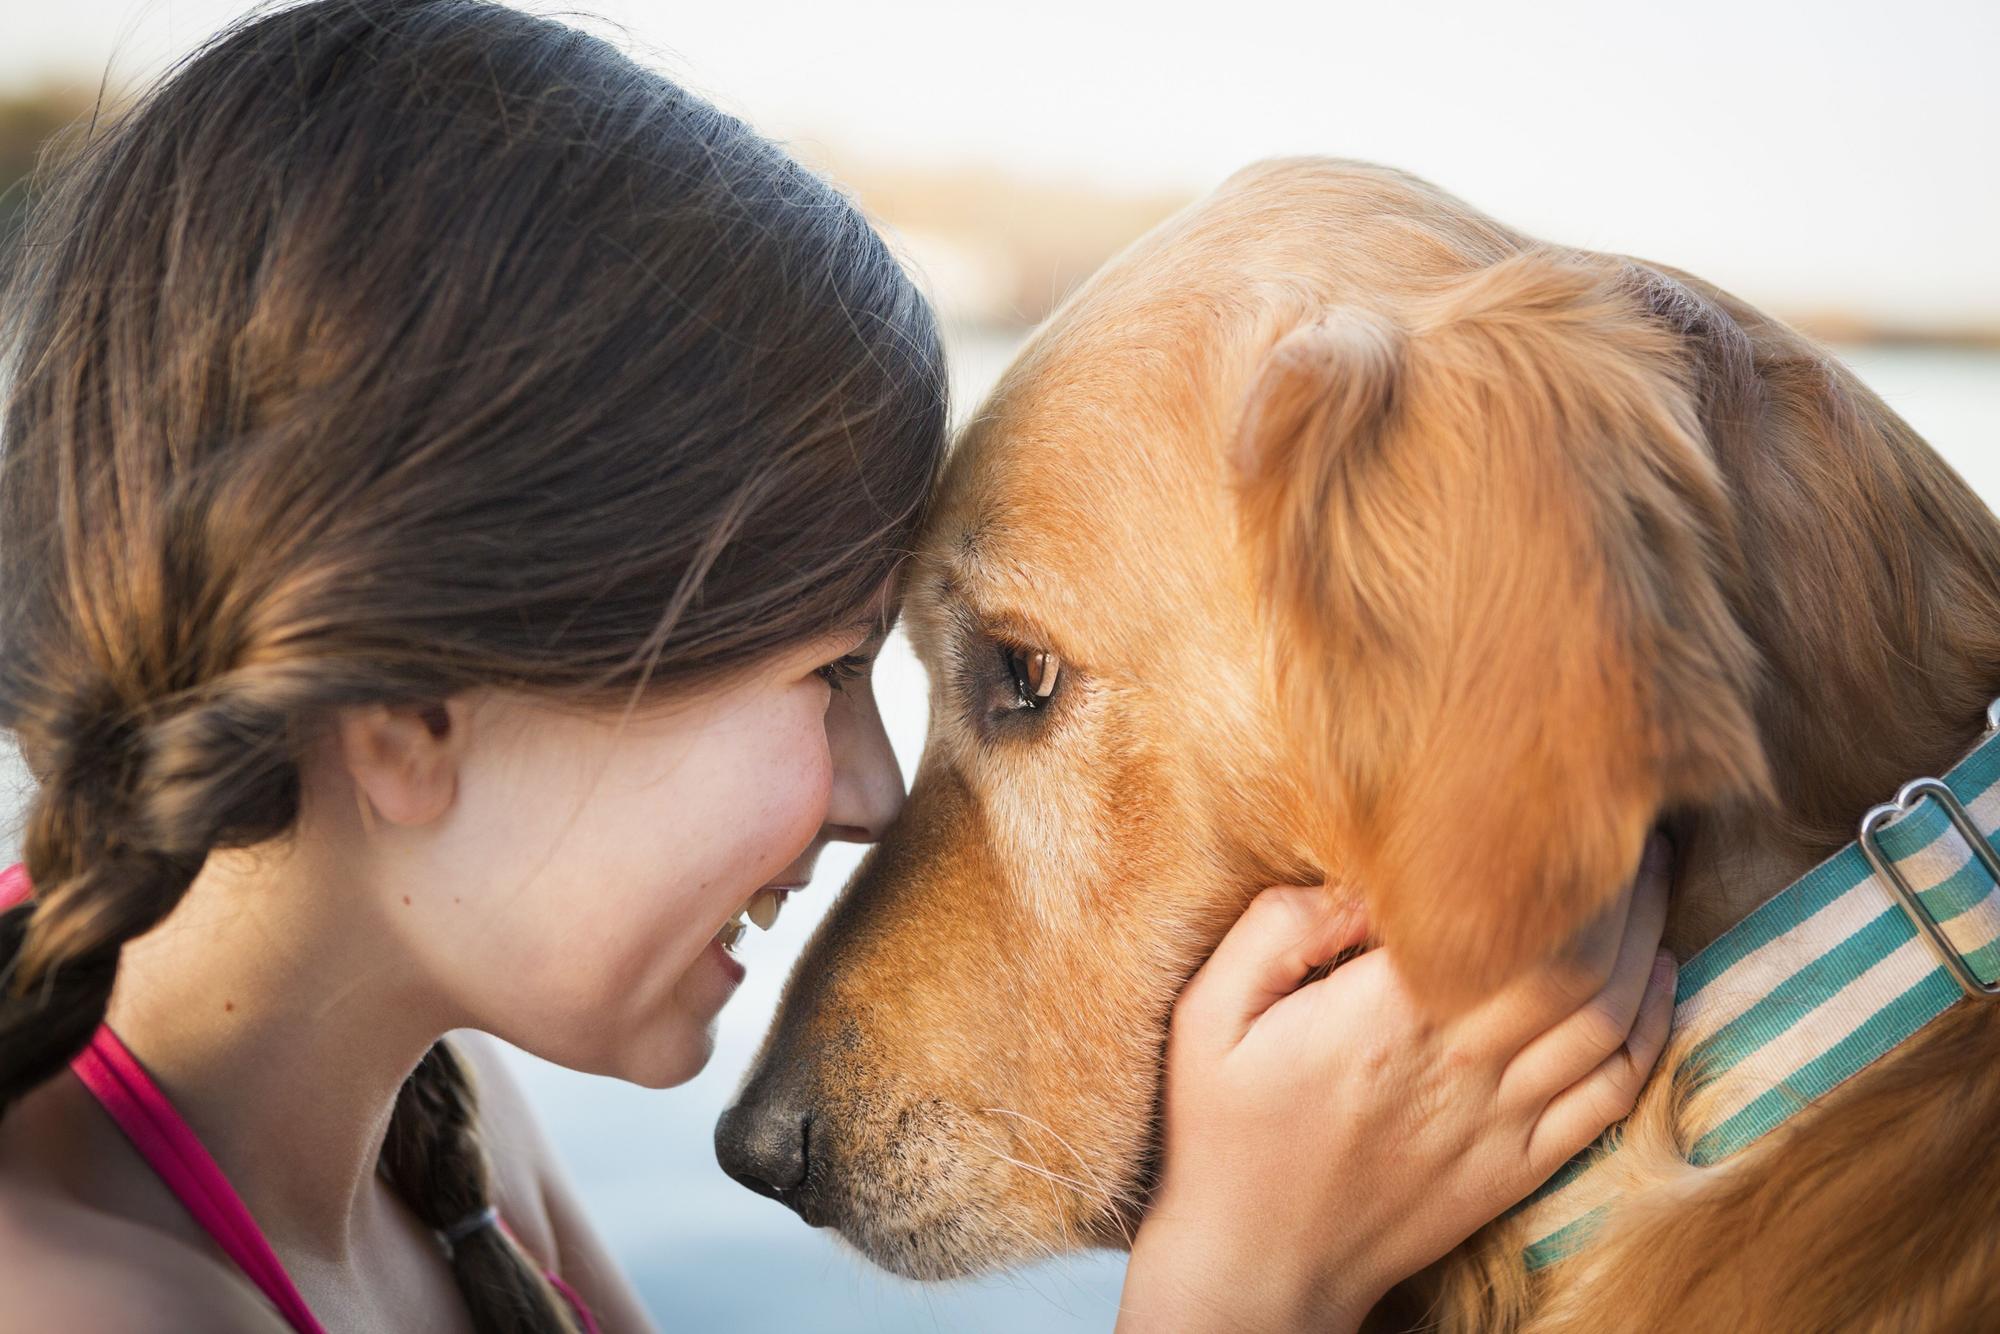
<point>1089,486</point>
<point>1093,486</point>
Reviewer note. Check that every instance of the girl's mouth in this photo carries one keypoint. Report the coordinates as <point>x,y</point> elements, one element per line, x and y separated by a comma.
<point>762,909</point>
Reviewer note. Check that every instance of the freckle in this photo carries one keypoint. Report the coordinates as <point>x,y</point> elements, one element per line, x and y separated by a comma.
<point>229,1005</point>
<point>406,900</point>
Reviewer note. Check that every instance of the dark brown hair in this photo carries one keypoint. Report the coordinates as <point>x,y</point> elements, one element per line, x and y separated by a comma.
<point>387,349</point>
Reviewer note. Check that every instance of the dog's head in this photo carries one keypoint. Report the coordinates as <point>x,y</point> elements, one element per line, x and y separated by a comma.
<point>1333,531</point>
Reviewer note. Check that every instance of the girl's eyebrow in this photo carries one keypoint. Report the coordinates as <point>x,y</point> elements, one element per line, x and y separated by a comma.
<point>869,629</point>
<point>875,626</point>
<point>875,630</point>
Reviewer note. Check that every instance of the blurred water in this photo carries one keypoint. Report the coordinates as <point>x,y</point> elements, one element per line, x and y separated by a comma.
<point>709,1256</point>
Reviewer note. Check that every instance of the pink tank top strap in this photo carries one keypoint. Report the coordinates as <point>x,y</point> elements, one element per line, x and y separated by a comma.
<point>115,1077</point>
<point>14,886</point>
<point>169,1145</point>
<point>117,1080</point>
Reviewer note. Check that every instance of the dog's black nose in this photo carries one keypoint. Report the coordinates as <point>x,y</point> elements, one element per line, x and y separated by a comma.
<point>763,1145</point>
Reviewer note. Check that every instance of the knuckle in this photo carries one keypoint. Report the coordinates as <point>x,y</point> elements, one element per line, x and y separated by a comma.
<point>1458,1061</point>
<point>1547,1152</point>
<point>1604,1025</point>
<point>1297,907</point>
<point>1573,982</point>
<point>1621,1092</point>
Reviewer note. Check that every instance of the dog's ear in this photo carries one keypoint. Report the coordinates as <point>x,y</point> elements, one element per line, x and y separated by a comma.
<point>1497,556</point>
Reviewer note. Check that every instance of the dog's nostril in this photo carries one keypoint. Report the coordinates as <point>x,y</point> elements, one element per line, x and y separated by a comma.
<point>764,1149</point>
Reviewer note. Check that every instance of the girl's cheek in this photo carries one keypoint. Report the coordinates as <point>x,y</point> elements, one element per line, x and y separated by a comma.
<point>810,779</point>
<point>780,795</point>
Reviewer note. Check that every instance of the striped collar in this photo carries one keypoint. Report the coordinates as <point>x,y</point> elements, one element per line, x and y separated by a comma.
<point>1818,983</point>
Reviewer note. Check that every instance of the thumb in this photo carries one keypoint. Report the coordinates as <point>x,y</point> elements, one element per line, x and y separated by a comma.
<point>1285,933</point>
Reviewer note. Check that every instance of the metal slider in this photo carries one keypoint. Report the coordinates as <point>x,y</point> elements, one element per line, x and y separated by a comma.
<point>1886,872</point>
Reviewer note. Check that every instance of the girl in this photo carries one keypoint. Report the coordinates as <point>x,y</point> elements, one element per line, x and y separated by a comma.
<point>453,487</point>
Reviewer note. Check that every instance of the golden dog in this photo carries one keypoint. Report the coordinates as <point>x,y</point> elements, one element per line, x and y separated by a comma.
<point>1336,531</point>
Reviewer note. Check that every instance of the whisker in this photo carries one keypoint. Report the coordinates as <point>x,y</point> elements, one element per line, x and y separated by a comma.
<point>1119,1204</point>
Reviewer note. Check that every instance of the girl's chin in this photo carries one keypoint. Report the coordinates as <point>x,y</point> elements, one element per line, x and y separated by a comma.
<point>677,1058</point>
<point>674,1045</point>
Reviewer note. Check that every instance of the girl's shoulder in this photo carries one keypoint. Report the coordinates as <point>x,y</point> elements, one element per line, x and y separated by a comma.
<point>65,1265</point>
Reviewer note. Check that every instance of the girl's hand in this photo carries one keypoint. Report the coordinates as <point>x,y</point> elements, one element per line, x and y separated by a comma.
<point>1325,1141</point>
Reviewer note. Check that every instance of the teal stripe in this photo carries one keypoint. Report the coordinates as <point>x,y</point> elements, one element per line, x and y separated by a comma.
<point>1811,892</point>
<point>1960,892</point>
<point>1817,983</point>
<point>1573,1169</point>
<point>1970,780</point>
<point>1837,875</point>
<point>1565,1241</point>
<point>1985,962</point>
<point>1800,994</point>
<point>1883,1030</point>
<point>1976,773</point>
<point>1907,835</point>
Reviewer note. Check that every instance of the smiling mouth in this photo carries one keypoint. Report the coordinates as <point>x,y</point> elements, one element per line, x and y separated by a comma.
<point>762,909</point>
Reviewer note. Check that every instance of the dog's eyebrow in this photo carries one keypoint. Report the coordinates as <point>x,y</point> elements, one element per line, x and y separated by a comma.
<point>1000,623</point>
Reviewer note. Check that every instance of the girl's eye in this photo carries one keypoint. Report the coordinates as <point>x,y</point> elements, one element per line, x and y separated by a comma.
<point>842,670</point>
<point>1035,672</point>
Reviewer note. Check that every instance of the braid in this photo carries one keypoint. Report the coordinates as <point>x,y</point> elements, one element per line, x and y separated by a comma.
<point>271,446</point>
<point>98,886</point>
<point>434,1159</point>
<point>121,824</point>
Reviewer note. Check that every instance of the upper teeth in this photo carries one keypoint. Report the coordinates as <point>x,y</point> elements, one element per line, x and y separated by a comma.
<point>761,909</point>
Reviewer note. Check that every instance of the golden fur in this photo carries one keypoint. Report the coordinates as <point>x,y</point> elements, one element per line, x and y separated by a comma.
<point>1382,543</point>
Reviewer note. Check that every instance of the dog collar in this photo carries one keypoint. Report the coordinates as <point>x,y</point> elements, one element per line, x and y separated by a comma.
<point>1818,983</point>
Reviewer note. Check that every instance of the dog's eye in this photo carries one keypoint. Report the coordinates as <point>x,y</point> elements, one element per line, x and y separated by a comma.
<point>1035,672</point>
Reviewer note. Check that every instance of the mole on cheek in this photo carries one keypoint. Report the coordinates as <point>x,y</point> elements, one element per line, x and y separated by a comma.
<point>229,1005</point>
<point>406,900</point>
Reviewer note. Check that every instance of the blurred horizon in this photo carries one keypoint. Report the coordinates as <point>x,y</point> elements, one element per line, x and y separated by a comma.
<point>1830,166</point>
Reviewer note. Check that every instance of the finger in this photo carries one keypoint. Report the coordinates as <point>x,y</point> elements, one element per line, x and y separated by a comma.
<point>1575,1117</point>
<point>1574,1046</point>
<point>1284,934</point>
<point>1554,990</point>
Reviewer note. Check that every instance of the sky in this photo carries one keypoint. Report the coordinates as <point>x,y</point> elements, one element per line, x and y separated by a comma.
<point>1824,156</point>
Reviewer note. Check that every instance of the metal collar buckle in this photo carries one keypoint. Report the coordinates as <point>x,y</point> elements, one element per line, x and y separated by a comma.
<point>1886,872</point>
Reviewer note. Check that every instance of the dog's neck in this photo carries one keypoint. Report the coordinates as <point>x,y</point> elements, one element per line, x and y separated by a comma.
<point>1727,868</point>
<point>1871,587</point>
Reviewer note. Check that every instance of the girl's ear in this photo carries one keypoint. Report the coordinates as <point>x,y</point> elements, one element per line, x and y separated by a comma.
<point>1496,552</point>
<point>402,758</point>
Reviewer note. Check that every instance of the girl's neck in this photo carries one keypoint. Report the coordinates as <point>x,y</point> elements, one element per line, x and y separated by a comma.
<point>282,1029</point>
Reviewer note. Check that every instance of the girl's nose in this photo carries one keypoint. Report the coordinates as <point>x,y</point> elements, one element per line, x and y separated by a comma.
<point>867,782</point>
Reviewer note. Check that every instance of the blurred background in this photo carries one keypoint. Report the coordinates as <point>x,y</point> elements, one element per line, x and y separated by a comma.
<point>1835,163</point>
